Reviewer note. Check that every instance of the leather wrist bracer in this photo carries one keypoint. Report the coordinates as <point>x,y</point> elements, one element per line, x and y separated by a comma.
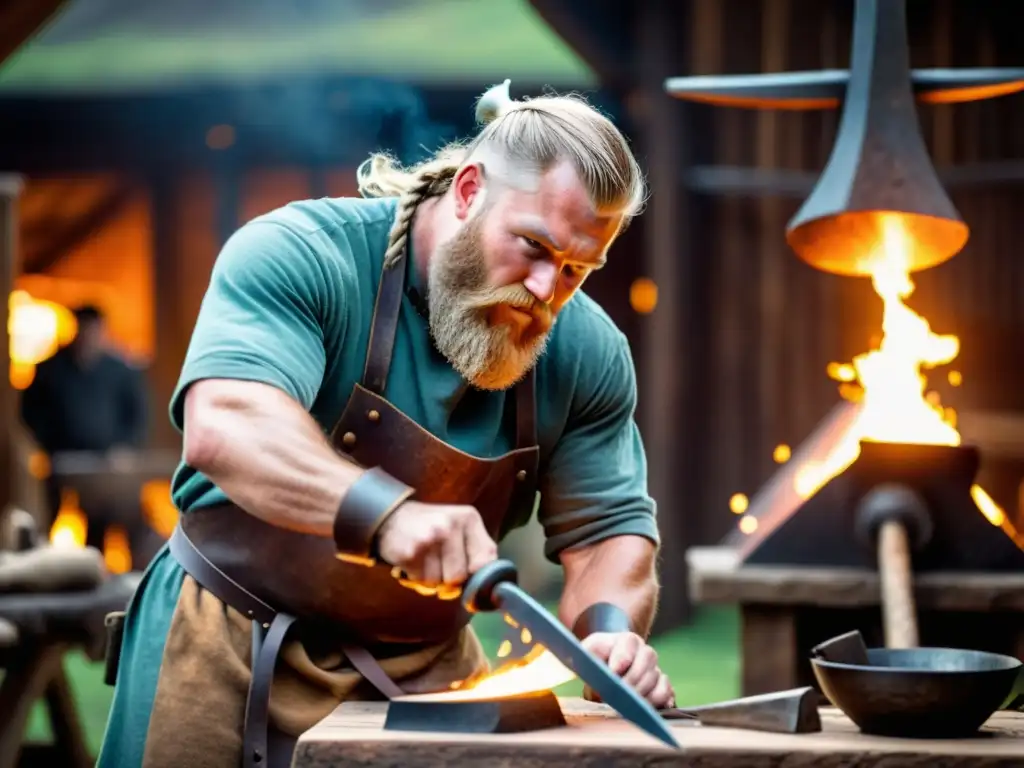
<point>369,501</point>
<point>601,617</point>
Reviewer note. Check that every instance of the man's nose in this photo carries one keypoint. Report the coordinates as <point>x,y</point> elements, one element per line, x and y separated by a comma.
<point>542,280</point>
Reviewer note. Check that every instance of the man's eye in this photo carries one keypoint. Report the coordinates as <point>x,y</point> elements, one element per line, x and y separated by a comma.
<point>532,244</point>
<point>574,270</point>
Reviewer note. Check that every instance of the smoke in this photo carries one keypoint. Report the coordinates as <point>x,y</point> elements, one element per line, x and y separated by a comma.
<point>323,120</point>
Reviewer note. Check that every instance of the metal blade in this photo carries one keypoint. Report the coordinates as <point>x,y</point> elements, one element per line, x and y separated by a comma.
<point>550,633</point>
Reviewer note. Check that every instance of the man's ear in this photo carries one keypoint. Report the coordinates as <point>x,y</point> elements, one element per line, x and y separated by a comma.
<point>468,187</point>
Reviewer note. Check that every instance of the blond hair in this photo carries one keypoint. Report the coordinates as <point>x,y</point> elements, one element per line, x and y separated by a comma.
<point>534,133</point>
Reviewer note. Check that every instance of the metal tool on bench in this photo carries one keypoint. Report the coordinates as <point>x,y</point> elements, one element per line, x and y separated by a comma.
<point>494,588</point>
<point>791,711</point>
<point>904,690</point>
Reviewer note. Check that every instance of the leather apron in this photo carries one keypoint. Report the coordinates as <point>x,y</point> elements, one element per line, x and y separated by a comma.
<point>279,577</point>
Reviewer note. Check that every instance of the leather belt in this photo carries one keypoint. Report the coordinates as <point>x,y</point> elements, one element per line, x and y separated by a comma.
<point>269,630</point>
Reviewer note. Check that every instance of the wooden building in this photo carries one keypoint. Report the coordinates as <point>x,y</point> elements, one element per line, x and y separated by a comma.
<point>733,360</point>
<point>145,136</point>
<point>735,333</point>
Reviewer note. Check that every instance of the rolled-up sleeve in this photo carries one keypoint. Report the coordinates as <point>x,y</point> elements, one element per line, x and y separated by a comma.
<point>594,484</point>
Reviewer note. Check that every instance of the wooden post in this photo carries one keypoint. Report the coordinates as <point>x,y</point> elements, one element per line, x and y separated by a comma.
<point>10,190</point>
<point>663,364</point>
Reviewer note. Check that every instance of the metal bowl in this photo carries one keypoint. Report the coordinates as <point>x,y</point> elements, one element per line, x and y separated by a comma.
<point>919,692</point>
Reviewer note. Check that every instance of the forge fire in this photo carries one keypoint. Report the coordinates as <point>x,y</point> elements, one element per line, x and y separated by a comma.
<point>889,386</point>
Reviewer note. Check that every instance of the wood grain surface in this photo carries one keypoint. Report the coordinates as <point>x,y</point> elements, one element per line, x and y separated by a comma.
<point>353,735</point>
<point>716,577</point>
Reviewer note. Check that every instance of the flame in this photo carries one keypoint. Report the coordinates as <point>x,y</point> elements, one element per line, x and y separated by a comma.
<point>537,671</point>
<point>888,382</point>
<point>70,527</point>
<point>894,408</point>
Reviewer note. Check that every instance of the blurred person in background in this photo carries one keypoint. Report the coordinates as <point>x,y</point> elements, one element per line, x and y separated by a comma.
<point>87,398</point>
<point>389,381</point>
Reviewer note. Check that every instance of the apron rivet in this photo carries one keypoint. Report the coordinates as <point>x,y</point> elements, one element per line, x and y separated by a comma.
<point>521,475</point>
<point>373,416</point>
<point>349,439</point>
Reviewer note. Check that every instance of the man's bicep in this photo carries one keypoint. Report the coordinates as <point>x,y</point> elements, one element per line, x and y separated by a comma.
<point>595,483</point>
<point>262,318</point>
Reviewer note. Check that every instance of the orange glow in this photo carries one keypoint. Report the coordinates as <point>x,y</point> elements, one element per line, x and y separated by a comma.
<point>841,372</point>
<point>117,552</point>
<point>122,286</point>
<point>782,453</point>
<point>37,329</point>
<point>157,508</point>
<point>538,671</point>
<point>70,527</point>
<point>959,94</point>
<point>738,503</point>
<point>888,383</point>
<point>987,505</point>
<point>535,672</point>
<point>643,295</point>
<point>894,408</point>
<point>39,465</point>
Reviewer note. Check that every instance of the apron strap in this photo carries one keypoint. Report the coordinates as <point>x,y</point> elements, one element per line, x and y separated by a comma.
<point>381,347</point>
<point>265,648</point>
<point>384,326</point>
<point>364,663</point>
<point>526,411</point>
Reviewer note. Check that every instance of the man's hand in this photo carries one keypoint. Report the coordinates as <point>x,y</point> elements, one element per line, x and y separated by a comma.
<point>635,662</point>
<point>436,544</point>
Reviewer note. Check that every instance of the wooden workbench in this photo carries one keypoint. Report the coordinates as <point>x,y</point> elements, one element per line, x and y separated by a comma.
<point>353,735</point>
<point>787,610</point>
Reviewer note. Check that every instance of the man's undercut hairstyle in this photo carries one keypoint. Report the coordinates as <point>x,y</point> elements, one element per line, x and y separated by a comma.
<point>533,134</point>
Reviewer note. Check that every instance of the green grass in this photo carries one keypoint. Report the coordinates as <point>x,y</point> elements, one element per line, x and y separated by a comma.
<point>702,660</point>
<point>433,40</point>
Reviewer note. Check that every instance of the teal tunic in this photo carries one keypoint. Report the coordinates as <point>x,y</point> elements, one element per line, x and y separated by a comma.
<point>289,304</point>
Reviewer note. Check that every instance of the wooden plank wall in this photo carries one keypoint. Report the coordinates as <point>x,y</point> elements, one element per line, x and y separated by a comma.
<point>770,324</point>
<point>188,214</point>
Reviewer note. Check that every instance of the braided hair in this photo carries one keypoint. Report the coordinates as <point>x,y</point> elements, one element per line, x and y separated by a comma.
<point>534,133</point>
<point>431,179</point>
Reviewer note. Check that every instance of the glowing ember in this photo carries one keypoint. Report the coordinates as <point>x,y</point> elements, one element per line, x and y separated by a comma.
<point>538,671</point>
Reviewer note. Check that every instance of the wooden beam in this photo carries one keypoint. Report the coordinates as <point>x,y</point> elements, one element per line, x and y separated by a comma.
<point>599,31</point>
<point>784,182</point>
<point>10,190</point>
<point>21,19</point>
<point>664,405</point>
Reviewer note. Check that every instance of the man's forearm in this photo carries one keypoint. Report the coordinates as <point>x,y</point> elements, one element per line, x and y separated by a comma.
<point>267,454</point>
<point>619,570</point>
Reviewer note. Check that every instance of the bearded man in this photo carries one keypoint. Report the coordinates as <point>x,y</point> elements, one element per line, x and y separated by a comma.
<point>393,382</point>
